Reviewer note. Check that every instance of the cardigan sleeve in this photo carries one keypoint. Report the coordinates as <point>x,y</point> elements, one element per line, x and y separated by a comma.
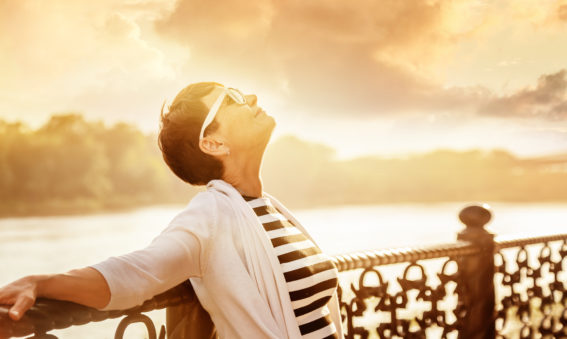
<point>178,253</point>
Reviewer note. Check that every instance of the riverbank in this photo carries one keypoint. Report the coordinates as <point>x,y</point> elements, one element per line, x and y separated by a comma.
<point>88,207</point>
<point>57,207</point>
<point>72,166</point>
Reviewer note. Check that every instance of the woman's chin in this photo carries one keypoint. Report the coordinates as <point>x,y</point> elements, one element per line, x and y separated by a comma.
<point>265,139</point>
<point>272,123</point>
<point>272,127</point>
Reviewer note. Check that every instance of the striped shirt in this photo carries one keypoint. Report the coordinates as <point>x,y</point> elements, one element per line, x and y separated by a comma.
<point>310,275</point>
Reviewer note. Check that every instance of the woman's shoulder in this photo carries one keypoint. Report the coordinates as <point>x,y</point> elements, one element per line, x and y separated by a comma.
<point>201,209</point>
<point>210,207</point>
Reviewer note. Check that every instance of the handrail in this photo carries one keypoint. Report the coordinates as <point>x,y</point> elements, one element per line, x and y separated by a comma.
<point>351,261</point>
<point>502,242</point>
<point>355,260</point>
<point>48,314</point>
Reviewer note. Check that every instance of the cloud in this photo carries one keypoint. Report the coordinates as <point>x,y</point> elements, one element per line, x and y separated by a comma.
<point>64,55</point>
<point>546,100</point>
<point>562,13</point>
<point>350,59</point>
<point>344,57</point>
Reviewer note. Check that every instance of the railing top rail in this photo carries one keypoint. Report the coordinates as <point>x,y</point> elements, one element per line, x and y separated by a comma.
<point>351,261</point>
<point>48,314</point>
<point>507,241</point>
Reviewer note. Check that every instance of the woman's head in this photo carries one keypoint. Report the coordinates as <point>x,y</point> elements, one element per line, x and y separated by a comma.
<point>238,129</point>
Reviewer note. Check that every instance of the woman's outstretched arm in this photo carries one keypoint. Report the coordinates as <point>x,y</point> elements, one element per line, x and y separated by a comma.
<point>84,286</point>
<point>128,280</point>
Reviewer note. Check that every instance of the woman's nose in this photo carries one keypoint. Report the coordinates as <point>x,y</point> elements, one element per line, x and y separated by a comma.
<point>251,99</point>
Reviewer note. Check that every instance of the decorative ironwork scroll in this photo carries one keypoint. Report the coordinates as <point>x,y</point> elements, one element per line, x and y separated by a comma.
<point>397,306</point>
<point>425,297</point>
<point>139,318</point>
<point>531,292</point>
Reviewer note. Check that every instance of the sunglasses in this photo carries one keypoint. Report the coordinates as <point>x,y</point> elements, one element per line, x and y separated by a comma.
<point>234,94</point>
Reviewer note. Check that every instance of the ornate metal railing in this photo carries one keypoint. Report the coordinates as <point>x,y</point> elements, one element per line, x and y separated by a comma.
<point>532,298</point>
<point>477,287</point>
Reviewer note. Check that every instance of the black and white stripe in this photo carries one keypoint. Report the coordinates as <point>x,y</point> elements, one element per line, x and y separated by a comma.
<point>310,275</point>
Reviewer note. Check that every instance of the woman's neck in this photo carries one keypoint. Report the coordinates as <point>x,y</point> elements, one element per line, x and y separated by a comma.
<point>253,190</point>
<point>244,175</point>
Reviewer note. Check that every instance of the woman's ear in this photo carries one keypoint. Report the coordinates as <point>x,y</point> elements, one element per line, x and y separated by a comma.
<point>212,146</point>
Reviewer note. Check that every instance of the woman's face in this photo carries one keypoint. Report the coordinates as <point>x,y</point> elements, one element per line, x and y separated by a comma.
<point>242,127</point>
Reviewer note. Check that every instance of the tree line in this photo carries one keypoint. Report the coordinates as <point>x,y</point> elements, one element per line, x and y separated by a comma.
<point>70,165</point>
<point>438,176</point>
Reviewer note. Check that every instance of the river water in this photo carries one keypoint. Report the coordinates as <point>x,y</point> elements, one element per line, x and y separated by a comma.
<point>54,244</point>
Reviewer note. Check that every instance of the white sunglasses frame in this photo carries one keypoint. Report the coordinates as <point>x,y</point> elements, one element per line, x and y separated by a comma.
<point>215,107</point>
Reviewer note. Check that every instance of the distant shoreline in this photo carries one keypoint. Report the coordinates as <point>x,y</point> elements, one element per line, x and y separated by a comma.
<point>71,166</point>
<point>74,210</point>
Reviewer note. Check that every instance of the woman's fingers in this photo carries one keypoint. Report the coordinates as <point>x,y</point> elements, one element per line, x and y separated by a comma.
<point>22,304</point>
<point>21,294</point>
<point>7,296</point>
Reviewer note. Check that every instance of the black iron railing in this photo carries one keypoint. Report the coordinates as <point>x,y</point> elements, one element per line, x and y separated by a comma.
<point>531,274</point>
<point>477,287</point>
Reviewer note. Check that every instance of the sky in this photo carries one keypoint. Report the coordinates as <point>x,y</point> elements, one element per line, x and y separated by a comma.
<point>384,77</point>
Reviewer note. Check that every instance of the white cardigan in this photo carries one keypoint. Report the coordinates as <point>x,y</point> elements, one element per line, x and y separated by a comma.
<point>218,242</point>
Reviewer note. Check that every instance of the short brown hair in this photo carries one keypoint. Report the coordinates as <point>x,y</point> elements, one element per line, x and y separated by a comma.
<point>178,138</point>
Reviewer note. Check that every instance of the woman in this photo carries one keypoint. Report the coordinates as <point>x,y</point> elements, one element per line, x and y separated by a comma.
<point>253,266</point>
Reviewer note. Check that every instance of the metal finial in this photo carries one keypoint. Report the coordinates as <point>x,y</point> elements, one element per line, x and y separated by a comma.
<point>476,215</point>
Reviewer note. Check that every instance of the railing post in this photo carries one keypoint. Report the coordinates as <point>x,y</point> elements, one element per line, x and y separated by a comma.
<point>477,272</point>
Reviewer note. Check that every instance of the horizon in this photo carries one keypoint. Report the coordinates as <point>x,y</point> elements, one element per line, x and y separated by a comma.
<point>337,155</point>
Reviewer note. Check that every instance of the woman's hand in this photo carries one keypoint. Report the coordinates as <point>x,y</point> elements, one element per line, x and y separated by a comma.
<point>85,286</point>
<point>21,294</point>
